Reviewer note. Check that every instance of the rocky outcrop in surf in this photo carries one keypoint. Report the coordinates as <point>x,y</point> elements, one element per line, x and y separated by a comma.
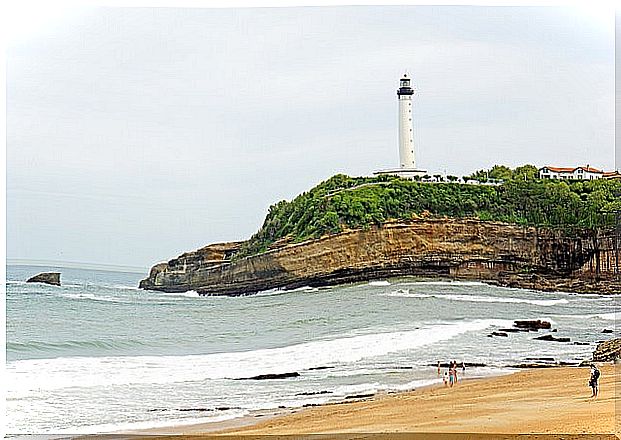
<point>52,278</point>
<point>502,253</point>
<point>608,350</point>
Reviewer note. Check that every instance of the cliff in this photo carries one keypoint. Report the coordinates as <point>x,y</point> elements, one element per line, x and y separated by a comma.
<point>499,252</point>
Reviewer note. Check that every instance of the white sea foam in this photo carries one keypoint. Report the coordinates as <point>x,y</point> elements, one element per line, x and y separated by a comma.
<point>186,294</point>
<point>479,298</point>
<point>415,384</point>
<point>135,427</point>
<point>92,297</point>
<point>303,289</point>
<point>609,316</point>
<point>405,293</point>
<point>442,283</point>
<point>476,298</point>
<point>121,287</point>
<point>362,388</point>
<point>25,378</point>
<point>613,316</point>
<point>379,283</point>
<point>274,292</point>
<point>74,286</point>
<point>269,292</point>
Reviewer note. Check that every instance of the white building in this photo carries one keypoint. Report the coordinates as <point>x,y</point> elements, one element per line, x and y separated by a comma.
<point>407,159</point>
<point>577,173</point>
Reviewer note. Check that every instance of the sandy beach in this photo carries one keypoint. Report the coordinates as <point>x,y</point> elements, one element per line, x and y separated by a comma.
<point>537,401</point>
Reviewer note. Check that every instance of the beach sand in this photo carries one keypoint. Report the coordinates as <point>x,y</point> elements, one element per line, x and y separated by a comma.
<point>541,401</point>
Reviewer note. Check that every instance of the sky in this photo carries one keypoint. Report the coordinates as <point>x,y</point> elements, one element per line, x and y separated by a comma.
<point>136,134</point>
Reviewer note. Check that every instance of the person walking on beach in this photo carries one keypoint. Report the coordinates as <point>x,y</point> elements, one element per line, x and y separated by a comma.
<point>451,374</point>
<point>439,371</point>
<point>445,378</point>
<point>593,380</point>
<point>455,371</point>
<point>463,367</point>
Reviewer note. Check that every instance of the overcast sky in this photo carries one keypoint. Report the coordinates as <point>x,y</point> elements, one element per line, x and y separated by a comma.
<point>135,134</point>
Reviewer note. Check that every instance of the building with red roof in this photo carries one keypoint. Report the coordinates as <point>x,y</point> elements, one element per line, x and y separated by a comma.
<point>576,173</point>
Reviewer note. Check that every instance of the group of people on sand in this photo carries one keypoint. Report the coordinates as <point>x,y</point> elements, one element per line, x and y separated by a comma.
<point>450,377</point>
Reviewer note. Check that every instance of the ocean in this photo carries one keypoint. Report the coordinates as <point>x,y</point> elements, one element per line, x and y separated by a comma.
<point>100,355</point>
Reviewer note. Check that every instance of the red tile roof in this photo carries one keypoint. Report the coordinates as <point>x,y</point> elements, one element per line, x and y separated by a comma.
<point>612,175</point>
<point>571,170</point>
<point>561,170</point>
<point>590,169</point>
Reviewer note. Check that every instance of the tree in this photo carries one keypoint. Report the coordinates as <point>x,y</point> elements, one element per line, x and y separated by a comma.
<point>500,172</point>
<point>359,202</point>
<point>526,172</point>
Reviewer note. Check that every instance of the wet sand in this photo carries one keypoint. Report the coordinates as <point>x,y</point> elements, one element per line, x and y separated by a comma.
<point>538,401</point>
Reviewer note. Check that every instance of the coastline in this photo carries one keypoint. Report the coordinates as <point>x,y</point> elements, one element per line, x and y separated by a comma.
<point>504,254</point>
<point>542,401</point>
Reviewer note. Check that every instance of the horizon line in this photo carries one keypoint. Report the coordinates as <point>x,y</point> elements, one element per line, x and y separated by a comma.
<point>76,265</point>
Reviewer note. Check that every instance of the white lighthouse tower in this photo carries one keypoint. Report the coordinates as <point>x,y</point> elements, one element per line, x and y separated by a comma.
<point>407,159</point>
<point>406,130</point>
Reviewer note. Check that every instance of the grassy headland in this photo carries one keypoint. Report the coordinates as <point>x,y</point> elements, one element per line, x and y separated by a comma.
<point>344,202</point>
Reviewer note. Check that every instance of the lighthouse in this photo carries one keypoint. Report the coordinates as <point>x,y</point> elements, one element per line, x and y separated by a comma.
<point>406,131</point>
<point>407,159</point>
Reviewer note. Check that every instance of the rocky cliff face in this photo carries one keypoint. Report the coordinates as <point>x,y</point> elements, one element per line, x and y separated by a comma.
<point>427,247</point>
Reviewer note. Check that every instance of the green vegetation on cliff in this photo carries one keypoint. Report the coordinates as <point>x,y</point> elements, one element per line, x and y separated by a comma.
<point>343,202</point>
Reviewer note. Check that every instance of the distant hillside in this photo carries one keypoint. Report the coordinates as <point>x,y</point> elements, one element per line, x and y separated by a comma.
<point>343,202</point>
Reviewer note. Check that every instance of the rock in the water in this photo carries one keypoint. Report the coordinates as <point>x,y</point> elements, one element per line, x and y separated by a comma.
<point>52,278</point>
<point>552,338</point>
<point>533,365</point>
<point>313,393</point>
<point>360,396</point>
<point>499,334</point>
<point>271,376</point>
<point>534,325</point>
<point>509,330</point>
<point>608,350</point>
<point>606,330</point>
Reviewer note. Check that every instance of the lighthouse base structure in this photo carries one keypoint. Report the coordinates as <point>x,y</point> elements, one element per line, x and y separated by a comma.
<point>406,173</point>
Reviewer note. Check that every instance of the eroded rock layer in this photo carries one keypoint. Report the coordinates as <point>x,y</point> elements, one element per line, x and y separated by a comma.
<point>503,253</point>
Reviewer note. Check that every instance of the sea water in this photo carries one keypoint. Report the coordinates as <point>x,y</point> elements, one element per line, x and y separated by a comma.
<point>100,355</point>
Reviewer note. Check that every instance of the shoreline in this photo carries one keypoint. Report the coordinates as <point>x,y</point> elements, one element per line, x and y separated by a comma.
<point>460,248</point>
<point>259,416</point>
<point>529,401</point>
<point>534,282</point>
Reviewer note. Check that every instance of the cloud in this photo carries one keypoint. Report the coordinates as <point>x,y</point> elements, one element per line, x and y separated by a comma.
<point>187,124</point>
